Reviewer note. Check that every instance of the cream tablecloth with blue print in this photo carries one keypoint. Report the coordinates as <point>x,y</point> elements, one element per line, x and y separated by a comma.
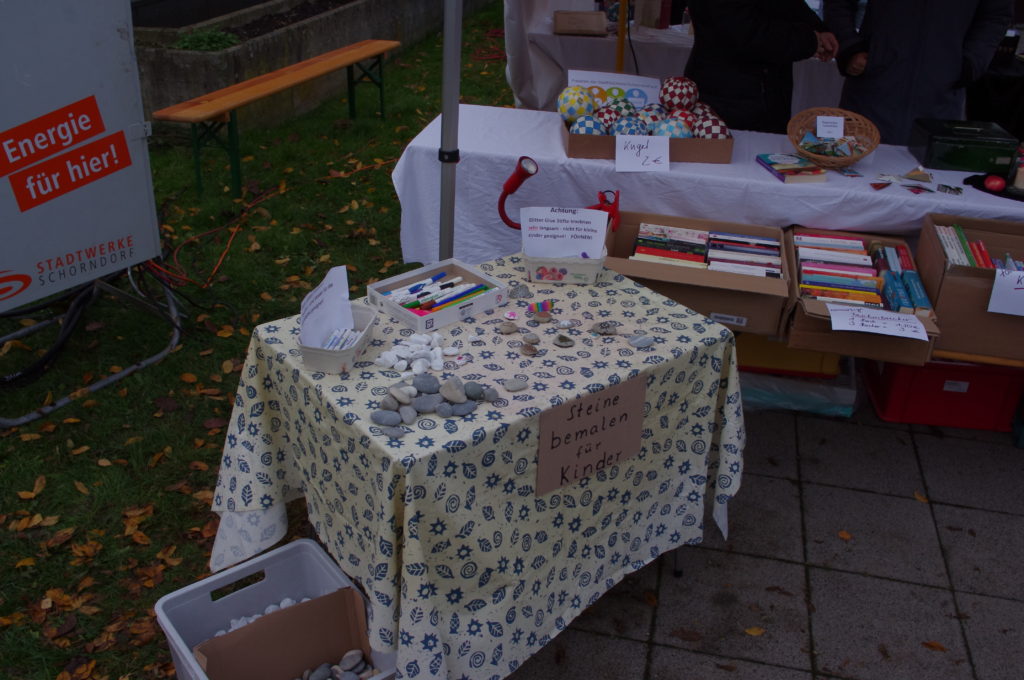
<point>467,571</point>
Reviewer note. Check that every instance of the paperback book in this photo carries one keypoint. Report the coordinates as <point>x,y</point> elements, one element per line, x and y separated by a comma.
<point>790,168</point>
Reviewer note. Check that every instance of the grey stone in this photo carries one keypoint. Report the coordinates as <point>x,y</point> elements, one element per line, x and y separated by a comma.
<point>491,394</point>
<point>474,390</point>
<point>352,660</point>
<point>528,350</point>
<point>453,390</point>
<point>426,403</point>
<point>542,317</point>
<point>393,432</point>
<point>426,383</point>
<point>408,414</point>
<point>564,341</point>
<point>515,385</point>
<point>507,327</point>
<point>322,672</point>
<point>531,338</point>
<point>444,409</point>
<point>389,403</point>
<point>465,408</point>
<point>641,341</point>
<point>399,393</point>
<point>386,417</point>
<point>605,328</point>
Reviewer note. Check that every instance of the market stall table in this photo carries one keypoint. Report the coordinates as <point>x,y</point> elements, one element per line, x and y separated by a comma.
<point>491,139</point>
<point>467,571</point>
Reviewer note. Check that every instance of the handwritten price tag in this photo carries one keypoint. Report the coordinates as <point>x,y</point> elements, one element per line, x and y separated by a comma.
<point>1007,293</point>
<point>641,154</point>
<point>870,320</point>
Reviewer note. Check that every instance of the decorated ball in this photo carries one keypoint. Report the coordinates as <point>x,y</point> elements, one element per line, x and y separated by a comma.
<point>629,125</point>
<point>678,92</point>
<point>711,128</point>
<point>614,109</point>
<point>686,116</point>
<point>651,114</point>
<point>574,102</point>
<point>588,125</point>
<point>702,110</point>
<point>671,127</point>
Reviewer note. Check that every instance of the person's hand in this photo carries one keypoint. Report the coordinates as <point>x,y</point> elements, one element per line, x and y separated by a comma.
<point>858,62</point>
<point>828,46</point>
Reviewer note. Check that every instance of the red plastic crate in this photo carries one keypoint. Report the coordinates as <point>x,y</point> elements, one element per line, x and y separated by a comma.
<point>945,393</point>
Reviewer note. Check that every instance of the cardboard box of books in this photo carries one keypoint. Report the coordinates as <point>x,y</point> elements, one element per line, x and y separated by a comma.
<point>961,289</point>
<point>864,270</point>
<point>736,274</point>
<point>691,149</point>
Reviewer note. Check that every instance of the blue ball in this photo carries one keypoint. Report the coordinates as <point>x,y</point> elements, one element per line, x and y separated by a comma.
<point>588,125</point>
<point>672,127</point>
<point>629,125</point>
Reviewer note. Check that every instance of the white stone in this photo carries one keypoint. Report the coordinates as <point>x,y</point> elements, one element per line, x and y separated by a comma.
<point>437,365</point>
<point>406,374</point>
<point>420,339</point>
<point>411,391</point>
<point>420,366</point>
<point>436,353</point>
<point>421,354</point>
<point>436,340</point>
<point>383,362</point>
<point>450,351</point>
<point>401,365</point>
<point>402,352</point>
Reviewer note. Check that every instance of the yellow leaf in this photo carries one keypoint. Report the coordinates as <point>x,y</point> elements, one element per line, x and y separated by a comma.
<point>198,464</point>
<point>37,488</point>
<point>103,462</point>
<point>30,436</point>
<point>845,535</point>
<point>141,538</point>
<point>82,488</point>
<point>188,378</point>
<point>934,646</point>
<point>25,562</point>
<point>920,497</point>
<point>225,332</point>
<point>754,631</point>
<point>354,204</point>
<point>72,421</point>
<point>205,352</point>
<point>132,440</point>
<point>79,450</point>
<point>265,296</point>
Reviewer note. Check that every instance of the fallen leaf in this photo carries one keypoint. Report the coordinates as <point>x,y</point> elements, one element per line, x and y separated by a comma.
<point>30,436</point>
<point>140,538</point>
<point>213,423</point>
<point>188,378</point>
<point>132,440</point>
<point>36,489</point>
<point>198,465</point>
<point>845,535</point>
<point>82,488</point>
<point>79,450</point>
<point>934,646</point>
<point>103,462</point>
<point>920,497</point>
<point>25,562</point>
<point>651,598</point>
<point>754,631</point>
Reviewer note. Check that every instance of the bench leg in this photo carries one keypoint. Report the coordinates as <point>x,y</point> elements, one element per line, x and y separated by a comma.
<point>372,73</point>
<point>351,92</point>
<point>206,134</point>
<point>197,147</point>
<point>234,156</point>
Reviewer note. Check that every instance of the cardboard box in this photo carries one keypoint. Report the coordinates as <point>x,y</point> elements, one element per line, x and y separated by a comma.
<point>322,360</point>
<point>495,296</point>
<point>762,354</point>
<point>811,324</point>
<point>960,294</point>
<point>580,23</point>
<point>287,642</point>
<point>741,302</point>
<point>692,149</point>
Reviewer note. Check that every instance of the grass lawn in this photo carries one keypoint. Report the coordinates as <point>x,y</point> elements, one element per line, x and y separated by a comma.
<point>105,503</point>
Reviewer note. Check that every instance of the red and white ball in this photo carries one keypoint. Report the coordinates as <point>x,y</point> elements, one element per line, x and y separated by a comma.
<point>678,92</point>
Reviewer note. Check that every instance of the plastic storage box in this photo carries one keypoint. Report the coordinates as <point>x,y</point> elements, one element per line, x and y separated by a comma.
<point>298,570</point>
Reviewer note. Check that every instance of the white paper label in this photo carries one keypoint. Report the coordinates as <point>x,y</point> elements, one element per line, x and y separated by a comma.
<point>955,386</point>
<point>1007,293</point>
<point>325,309</point>
<point>563,232</point>
<point>729,318</point>
<point>634,153</point>
<point>639,90</point>
<point>830,127</point>
<point>880,321</point>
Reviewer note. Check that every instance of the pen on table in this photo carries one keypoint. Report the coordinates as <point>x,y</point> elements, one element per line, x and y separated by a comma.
<point>428,291</point>
<point>415,287</point>
<point>458,297</point>
<point>439,296</point>
<point>462,298</point>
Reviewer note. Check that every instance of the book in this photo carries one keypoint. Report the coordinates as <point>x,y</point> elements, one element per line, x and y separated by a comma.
<point>964,245</point>
<point>749,269</point>
<point>743,238</point>
<point>823,255</point>
<point>660,231</point>
<point>740,248</point>
<point>791,169</point>
<point>832,240</point>
<point>951,244</point>
<point>743,258</point>
<point>678,246</point>
<point>849,283</point>
<point>837,268</point>
<point>860,303</point>
<point>669,260</point>
<point>671,254</point>
<point>984,255</point>
<point>906,260</point>
<point>840,293</point>
<point>897,299</point>
<point>893,258</point>
<point>918,297</point>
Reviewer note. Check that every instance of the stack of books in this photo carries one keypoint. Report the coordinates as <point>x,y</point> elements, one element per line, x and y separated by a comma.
<point>843,268</point>
<point>790,168</point>
<point>714,250</point>
<point>960,250</point>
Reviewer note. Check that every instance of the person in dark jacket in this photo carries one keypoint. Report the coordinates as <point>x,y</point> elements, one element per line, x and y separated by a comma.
<point>743,55</point>
<point>913,58</point>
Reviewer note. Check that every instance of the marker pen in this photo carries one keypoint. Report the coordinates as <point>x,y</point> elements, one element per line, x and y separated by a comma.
<point>478,288</point>
<point>462,298</point>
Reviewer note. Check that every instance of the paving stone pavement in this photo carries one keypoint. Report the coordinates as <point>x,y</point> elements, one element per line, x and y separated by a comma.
<point>857,550</point>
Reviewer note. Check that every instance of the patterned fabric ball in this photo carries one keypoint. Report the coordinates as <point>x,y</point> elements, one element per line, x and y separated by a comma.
<point>651,114</point>
<point>702,110</point>
<point>614,109</point>
<point>686,116</point>
<point>574,102</point>
<point>588,125</point>
<point>629,125</point>
<point>671,127</point>
<point>678,92</point>
<point>711,128</point>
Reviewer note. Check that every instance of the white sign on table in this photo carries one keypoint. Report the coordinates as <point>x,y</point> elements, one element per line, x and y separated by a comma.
<point>1007,293</point>
<point>830,127</point>
<point>325,309</point>
<point>636,153</point>
<point>563,232</point>
<point>639,90</point>
<point>880,321</point>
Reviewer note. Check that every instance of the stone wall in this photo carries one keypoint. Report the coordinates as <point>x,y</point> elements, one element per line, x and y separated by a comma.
<point>170,76</point>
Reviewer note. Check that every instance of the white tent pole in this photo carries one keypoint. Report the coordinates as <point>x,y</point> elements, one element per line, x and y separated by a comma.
<point>448,154</point>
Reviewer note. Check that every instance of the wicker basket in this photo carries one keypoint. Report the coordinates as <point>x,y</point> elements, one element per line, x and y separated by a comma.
<point>855,124</point>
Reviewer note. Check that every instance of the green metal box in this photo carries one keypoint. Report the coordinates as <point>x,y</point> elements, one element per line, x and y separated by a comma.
<point>966,145</point>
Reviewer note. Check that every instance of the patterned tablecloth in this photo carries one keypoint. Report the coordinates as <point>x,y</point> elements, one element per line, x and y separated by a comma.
<point>467,571</point>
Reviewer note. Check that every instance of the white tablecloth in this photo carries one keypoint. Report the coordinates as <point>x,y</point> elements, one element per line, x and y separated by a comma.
<point>539,60</point>
<point>491,139</point>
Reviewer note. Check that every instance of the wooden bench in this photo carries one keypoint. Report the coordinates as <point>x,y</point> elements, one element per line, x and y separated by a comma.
<point>208,114</point>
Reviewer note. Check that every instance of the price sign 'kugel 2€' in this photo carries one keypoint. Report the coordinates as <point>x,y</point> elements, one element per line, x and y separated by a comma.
<point>76,197</point>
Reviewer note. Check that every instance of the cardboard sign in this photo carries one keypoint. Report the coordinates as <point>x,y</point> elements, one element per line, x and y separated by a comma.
<point>1007,293</point>
<point>639,90</point>
<point>589,434</point>
<point>880,321</point>
<point>830,127</point>
<point>634,153</point>
<point>563,232</point>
